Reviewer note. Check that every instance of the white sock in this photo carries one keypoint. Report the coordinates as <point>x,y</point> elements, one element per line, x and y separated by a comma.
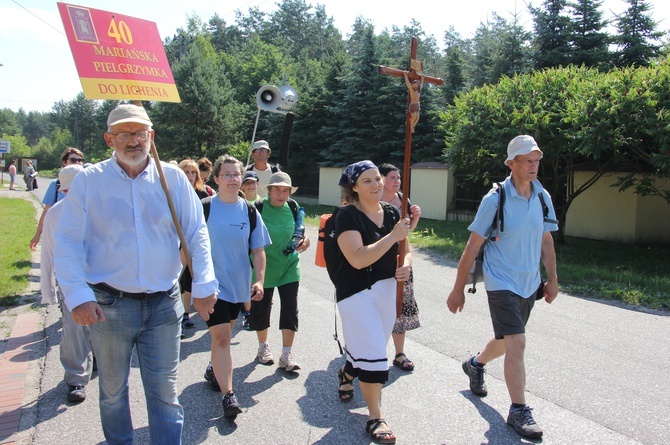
<point>286,350</point>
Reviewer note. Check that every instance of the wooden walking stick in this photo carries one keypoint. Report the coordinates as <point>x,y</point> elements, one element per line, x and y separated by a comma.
<point>166,189</point>
<point>414,82</point>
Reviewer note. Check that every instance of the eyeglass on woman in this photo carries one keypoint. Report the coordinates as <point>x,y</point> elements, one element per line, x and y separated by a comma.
<point>75,160</point>
<point>124,136</point>
<point>229,176</point>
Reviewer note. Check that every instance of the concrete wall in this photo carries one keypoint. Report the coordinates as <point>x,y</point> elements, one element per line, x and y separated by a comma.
<point>329,192</point>
<point>433,190</point>
<point>603,213</point>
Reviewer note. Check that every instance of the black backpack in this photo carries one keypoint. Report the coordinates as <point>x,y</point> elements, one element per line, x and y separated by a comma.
<point>332,254</point>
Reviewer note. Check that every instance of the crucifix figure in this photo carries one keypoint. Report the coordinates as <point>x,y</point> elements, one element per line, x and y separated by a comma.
<point>414,82</point>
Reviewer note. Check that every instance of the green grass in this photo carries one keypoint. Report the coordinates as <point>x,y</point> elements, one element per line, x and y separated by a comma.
<point>638,275</point>
<point>16,230</point>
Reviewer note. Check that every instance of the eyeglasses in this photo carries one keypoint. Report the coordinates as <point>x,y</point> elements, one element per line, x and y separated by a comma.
<point>262,150</point>
<point>124,136</point>
<point>75,160</point>
<point>229,176</point>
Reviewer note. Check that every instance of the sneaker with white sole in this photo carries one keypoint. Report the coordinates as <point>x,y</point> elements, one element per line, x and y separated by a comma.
<point>522,421</point>
<point>264,356</point>
<point>287,362</point>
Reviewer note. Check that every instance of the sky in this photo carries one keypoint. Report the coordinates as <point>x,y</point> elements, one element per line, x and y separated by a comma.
<point>38,70</point>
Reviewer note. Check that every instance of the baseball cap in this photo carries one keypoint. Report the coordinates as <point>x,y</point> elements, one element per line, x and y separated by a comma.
<point>128,113</point>
<point>66,175</point>
<point>250,175</point>
<point>521,145</point>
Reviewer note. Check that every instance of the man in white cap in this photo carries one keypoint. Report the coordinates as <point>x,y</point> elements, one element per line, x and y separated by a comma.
<point>511,274</point>
<point>263,169</point>
<point>117,261</point>
<point>75,346</point>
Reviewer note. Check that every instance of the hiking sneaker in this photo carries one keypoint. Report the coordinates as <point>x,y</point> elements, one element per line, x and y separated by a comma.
<point>524,424</point>
<point>211,378</point>
<point>186,321</point>
<point>286,361</point>
<point>76,393</point>
<point>264,355</point>
<point>230,406</point>
<point>476,374</point>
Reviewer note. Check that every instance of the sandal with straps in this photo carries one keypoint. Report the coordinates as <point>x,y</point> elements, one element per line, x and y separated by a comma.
<point>346,395</point>
<point>405,364</point>
<point>373,428</point>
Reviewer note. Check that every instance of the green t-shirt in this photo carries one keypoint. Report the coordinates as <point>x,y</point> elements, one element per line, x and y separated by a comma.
<point>280,269</point>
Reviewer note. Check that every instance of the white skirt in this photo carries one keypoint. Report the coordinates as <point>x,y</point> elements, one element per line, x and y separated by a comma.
<point>367,322</point>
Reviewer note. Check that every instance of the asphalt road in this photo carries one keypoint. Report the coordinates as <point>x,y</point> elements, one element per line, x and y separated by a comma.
<point>596,372</point>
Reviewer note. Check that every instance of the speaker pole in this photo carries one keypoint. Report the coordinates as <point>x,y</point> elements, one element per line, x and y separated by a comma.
<point>285,138</point>
<point>253,138</point>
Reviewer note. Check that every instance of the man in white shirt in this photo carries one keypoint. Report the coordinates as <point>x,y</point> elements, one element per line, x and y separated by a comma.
<point>75,346</point>
<point>117,261</point>
<point>263,169</point>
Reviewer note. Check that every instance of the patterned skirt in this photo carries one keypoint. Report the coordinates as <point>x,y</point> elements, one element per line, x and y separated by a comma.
<point>409,319</point>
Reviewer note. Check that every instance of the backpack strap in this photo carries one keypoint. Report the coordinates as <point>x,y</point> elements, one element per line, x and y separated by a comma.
<point>294,208</point>
<point>251,212</point>
<point>56,191</point>
<point>293,205</point>
<point>206,204</point>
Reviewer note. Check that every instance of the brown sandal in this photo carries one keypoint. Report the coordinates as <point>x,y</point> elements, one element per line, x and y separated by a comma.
<point>346,395</point>
<point>384,436</point>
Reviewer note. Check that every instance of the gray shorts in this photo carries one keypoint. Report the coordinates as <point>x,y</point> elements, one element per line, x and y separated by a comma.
<point>509,312</point>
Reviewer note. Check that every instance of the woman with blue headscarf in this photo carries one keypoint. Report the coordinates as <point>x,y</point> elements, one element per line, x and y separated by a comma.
<point>369,234</point>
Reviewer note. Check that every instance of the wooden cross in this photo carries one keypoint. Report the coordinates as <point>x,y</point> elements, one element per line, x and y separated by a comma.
<point>414,82</point>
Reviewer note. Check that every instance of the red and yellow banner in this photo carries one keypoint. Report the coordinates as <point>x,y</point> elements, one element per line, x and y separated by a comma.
<point>118,57</point>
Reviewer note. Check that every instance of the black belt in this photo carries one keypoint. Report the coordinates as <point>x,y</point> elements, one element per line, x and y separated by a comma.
<point>102,287</point>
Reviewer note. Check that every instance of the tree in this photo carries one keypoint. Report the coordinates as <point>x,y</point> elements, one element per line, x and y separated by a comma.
<point>636,34</point>
<point>583,119</point>
<point>8,123</point>
<point>454,80</point>
<point>552,34</point>
<point>207,118</point>
<point>588,40</point>
<point>359,126</point>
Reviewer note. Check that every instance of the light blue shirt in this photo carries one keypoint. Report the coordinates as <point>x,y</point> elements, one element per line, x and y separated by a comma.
<point>513,262</point>
<point>119,231</point>
<point>50,197</point>
<point>228,226</point>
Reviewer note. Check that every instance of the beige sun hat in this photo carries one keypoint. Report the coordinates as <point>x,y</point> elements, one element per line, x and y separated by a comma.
<point>262,144</point>
<point>66,175</point>
<point>281,179</point>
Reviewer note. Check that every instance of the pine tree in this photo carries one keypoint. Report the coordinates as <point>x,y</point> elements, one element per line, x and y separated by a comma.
<point>590,44</point>
<point>636,33</point>
<point>552,34</point>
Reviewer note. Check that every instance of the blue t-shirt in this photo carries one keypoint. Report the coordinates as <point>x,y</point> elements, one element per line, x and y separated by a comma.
<point>228,226</point>
<point>50,195</point>
<point>513,261</point>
